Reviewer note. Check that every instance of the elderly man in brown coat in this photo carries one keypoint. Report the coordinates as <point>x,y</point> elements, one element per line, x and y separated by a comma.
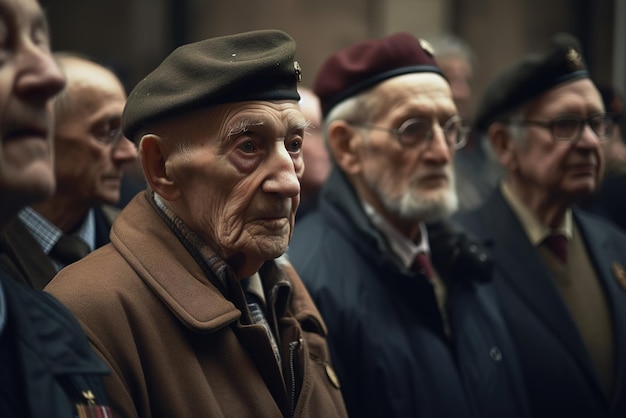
<point>191,305</point>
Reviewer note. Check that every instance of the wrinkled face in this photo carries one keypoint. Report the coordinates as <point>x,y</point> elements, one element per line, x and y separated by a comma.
<point>412,184</point>
<point>90,149</point>
<point>29,78</point>
<point>239,176</point>
<point>562,170</point>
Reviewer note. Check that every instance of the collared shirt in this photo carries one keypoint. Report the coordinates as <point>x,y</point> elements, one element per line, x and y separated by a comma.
<point>403,247</point>
<point>535,230</point>
<point>47,234</point>
<point>407,250</point>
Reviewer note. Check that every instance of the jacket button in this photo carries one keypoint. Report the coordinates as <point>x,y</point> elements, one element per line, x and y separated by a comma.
<point>495,354</point>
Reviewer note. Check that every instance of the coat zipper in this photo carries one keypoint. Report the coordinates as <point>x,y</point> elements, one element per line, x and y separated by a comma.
<point>293,347</point>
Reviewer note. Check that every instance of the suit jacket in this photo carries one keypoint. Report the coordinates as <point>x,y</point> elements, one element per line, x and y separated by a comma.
<point>558,370</point>
<point>23,257</point>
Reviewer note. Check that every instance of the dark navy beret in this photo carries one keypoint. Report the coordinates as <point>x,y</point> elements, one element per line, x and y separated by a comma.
<point>532,75</point>
<point>258,65</point>
<point>355,69</point>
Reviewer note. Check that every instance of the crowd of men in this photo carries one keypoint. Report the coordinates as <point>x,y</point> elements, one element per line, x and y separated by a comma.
<point>237,284</point>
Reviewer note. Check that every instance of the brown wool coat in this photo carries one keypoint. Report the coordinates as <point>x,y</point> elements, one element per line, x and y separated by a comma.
<point>177,347</point>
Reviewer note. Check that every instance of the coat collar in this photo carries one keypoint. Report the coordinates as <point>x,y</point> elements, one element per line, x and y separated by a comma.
<point>204,302</point>
<point>142,238</point>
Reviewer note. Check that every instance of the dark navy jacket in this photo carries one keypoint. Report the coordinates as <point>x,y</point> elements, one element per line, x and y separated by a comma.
<point>560,377</point>
<point>47,361</point>
<point>385,333</point>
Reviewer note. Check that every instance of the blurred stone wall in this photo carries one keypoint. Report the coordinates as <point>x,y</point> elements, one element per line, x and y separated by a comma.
<point>133,36</point>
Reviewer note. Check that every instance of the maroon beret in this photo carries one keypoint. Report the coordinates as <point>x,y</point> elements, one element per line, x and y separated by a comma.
<point>354,69</point>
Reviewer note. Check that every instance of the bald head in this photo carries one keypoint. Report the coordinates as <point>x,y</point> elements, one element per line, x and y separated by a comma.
<point>83,77</point>
<point>90,149</point>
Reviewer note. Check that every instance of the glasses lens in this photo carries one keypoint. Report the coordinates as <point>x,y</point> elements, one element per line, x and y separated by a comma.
<point>602,126</point>
<point>414,132</point>
<point>456,130</point>
<point>566,129</point>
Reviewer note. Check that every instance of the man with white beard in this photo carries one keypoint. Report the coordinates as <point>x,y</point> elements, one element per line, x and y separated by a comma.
<point>407,339</point>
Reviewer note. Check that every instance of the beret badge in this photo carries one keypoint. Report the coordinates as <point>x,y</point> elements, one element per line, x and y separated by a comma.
<point>298,70</point>
<point>427,46</point>
<point>574,60</point>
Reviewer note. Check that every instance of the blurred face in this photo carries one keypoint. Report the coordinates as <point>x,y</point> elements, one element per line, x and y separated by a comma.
<point>29,78</point>
<point>239,177</point>
<point>560,170</point>
<point>411,183</point>
<point>90,149</point>
<point>458,71</point>
<point>316,159</point>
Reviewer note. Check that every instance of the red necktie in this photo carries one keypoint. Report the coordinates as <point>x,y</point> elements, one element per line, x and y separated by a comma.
<point>422,265</point>
<point>558,245</point>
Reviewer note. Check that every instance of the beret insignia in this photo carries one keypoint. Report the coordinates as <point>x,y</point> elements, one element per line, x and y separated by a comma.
<point>427,46</point>
<point>298,70</point>
<point>574,60</point>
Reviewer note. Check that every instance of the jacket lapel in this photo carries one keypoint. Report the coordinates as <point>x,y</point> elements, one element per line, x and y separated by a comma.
<point>607,260</point>
<point>522,269</point>
<point>25,256</point>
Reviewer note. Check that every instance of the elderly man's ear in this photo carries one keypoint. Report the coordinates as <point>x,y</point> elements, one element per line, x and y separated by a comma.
<point>153,161</point>
<point>343,144</point>
<point>503,145</point>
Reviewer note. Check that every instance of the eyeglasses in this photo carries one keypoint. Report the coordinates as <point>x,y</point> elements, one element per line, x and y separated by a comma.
<point>110,137</point>
<point>417,132</point>
<point>570,127</point>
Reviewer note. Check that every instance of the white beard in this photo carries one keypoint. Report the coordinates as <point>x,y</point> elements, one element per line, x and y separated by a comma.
<point>413,206</point>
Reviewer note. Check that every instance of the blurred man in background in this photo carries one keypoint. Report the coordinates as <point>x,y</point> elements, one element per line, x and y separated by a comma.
<point>315,154</point>
<point>559,272</point>
<point>477,170</point>
<point>90,153</point>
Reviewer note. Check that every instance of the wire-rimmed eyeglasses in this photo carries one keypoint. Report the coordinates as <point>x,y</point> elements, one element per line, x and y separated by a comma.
<point>111,136</point>
<point>417,132</point>
<point>569,128</point>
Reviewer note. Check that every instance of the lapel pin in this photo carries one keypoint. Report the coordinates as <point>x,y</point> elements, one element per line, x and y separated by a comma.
<point>620,274</point>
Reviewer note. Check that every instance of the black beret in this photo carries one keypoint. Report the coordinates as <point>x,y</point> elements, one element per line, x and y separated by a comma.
<point>258,65</point>
<point>355,69</point>
<point>533,74</point>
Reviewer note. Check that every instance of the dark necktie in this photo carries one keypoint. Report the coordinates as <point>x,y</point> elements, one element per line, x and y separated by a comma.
<point>422,265</point>
<point>557,243</point>
<point>69,249</point>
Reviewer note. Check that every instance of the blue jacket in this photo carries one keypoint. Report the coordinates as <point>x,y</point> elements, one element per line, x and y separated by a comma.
<point>560,377</point>
<point>48,367</point>
<point>385,332</point>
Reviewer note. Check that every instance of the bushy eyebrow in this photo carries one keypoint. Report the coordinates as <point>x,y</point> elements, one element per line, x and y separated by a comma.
<point>301,125</point>
<point>242,126</point>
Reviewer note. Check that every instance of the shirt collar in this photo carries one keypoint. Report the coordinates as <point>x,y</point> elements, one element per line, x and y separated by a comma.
<point>209,261</point>
<point>44,231</point>
<point>535,230</point>
<point>403,247</point>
